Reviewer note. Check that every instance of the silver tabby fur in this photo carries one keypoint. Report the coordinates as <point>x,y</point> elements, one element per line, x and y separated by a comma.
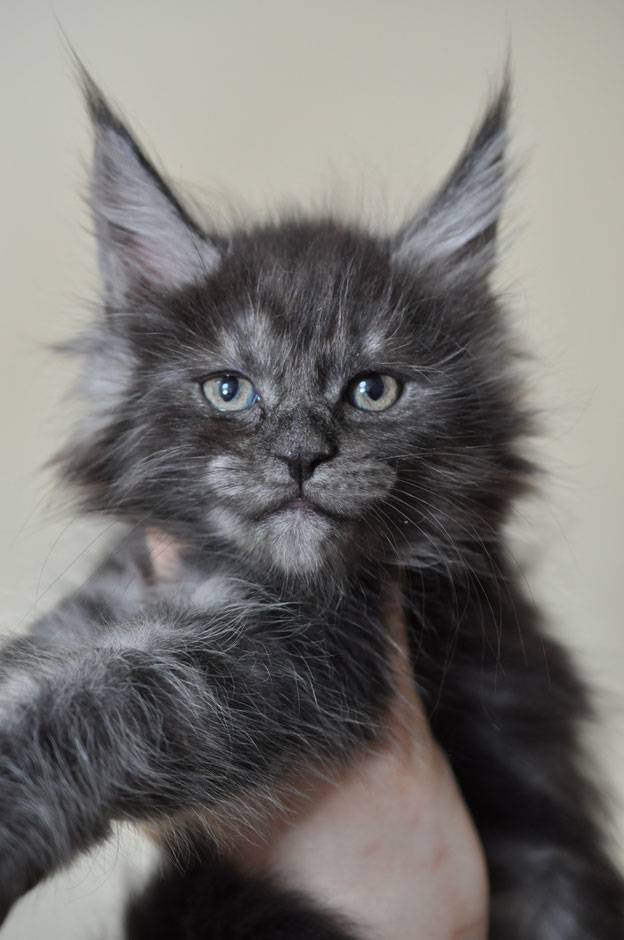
<point>265,653</point>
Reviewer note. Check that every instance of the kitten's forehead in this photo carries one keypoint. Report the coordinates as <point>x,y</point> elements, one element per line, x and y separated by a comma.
<point>309,301</point>
<point>290,349</point>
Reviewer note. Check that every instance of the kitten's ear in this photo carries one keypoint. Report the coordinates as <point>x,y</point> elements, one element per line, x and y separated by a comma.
<point>454,236</point>
<point>145,236</point>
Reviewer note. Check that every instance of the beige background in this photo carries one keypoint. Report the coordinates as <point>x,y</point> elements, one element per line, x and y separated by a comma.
<point>264,102</point>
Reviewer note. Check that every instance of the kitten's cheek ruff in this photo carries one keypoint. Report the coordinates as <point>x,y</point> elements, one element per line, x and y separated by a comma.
<point>229,525</point>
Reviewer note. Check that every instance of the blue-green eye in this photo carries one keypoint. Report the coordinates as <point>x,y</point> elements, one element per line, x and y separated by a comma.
<point>373,392</point>
<point>229,392</point>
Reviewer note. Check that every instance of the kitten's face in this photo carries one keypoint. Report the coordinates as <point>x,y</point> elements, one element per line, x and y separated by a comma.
<point>306,392</point>
<point>291,383</point>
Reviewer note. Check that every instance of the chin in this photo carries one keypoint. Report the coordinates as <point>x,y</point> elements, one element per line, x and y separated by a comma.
<point>297,543</point>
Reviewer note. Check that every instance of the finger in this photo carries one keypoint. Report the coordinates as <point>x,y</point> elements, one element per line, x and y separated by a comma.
<point>406,718</point>
<point>164,553</point>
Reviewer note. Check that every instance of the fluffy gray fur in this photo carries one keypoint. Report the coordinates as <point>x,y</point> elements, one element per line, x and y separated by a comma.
<point>265,653</point>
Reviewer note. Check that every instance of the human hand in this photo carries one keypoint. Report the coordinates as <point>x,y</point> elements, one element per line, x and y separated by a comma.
<point>387,841</point>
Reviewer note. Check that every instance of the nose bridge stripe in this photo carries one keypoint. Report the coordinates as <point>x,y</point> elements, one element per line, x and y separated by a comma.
<point>304,432</point>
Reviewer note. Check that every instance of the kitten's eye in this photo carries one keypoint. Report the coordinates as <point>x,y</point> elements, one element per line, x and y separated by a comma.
<point>373,392</point>
<point>229,392</point>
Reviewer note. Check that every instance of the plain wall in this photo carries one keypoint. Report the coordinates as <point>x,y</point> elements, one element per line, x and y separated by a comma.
<point>262,103</point>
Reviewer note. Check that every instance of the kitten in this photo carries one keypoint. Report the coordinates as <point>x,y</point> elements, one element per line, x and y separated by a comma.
<point>314,413</point>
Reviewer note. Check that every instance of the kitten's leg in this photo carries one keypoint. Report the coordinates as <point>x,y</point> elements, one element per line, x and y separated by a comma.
<point>509,711</point>
<point>175,710</point>
<point>539,815</point>
<point>209,900</point>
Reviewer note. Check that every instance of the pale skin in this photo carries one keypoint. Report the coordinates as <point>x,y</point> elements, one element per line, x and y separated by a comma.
<point>388,841</point>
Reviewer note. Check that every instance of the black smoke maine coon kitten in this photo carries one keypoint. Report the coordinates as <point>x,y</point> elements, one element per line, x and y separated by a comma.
<point>315,413</point>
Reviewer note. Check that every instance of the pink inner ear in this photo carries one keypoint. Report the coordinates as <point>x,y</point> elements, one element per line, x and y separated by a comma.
<point>143,264</point>
<point>163,552</point>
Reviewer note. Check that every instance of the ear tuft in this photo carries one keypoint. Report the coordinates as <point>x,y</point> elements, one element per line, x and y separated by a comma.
<point>454,235</point>
<point>146,238</point>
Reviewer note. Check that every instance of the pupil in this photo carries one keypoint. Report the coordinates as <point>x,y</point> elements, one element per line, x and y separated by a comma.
<point>229,388</point>
<point>372,387</point>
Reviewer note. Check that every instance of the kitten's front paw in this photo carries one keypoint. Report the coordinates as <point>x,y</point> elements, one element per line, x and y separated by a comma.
<point>13,884</point>
<point>22,839</point>
<point>5,906</point>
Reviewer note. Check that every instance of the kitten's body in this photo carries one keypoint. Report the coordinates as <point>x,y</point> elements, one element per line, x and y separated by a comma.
<point>379,449</point>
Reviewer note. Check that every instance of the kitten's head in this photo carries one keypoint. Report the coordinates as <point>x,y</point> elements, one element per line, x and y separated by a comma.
<point>305,392</point>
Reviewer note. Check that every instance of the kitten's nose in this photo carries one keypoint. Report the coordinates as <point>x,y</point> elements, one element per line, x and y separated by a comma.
<point>301,466</point>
